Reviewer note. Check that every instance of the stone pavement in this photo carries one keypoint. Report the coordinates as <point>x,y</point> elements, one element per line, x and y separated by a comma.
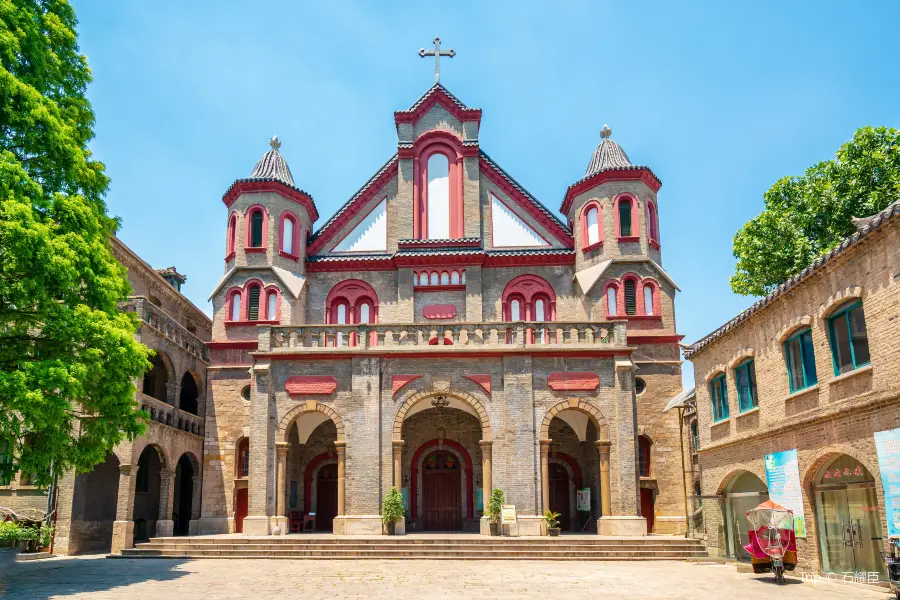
<point>99,578</point>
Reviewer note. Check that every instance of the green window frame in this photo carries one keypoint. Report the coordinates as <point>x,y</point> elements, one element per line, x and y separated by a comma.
<point>630,300</point>
<point>718,392</point>
<point>256,229</point>
<point>695,435</point>
<point>801,361</point>
<point>745,380</point>
<point>625,217</point>
<point>849,338</point>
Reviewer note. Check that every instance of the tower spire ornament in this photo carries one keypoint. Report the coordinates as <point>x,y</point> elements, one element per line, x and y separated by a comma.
<point>605,132</point>
<point>274,143</point>
<point>437,53</point>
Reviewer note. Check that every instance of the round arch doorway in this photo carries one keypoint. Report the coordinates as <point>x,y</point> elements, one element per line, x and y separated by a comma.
<point>441,492</point>
<point>744,491</point>
<point>848,518</point>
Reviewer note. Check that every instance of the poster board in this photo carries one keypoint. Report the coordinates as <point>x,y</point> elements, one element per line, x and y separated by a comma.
<point>887,447</point>
<point>783,480</point>
<point>583,500</point>
<point>508,513</point>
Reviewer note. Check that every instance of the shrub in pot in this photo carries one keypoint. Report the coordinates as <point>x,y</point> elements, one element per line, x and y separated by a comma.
<point>392,510</point>
<point>551,518</point>
<point>493,511</point>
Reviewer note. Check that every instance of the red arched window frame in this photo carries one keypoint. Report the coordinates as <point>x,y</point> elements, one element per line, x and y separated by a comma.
<point>242,459</point>
<point>245,307</point>
<point>231,238</point>
<point>272,290</point>
<point>638,299</point>
<point>652,224</point>
<point>437,142</point>
<point>294,254</point>
<point>586,243</point>
<point>229,305</point>
<point>352,293</point>
<point>618,303</point>
<point>248,220</point>
<point>528,288</point>
<point>635,218</point>
<point>653,286</point>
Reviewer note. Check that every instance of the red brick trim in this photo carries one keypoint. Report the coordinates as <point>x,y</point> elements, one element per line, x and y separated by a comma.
<point>249,187</point>
<point>460,243</point>
<point>236,345</point>
<point>483,380</point>
<point>398,381</point>
<point>637,174</point>
<point>439,311</point>
<point>317,385</point>
<point>573,381</point>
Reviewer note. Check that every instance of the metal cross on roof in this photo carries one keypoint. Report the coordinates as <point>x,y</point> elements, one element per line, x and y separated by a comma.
<point>437,53</point>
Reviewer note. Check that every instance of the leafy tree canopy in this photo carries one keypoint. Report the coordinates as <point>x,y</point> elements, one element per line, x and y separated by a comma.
<point>805,217</point>
<point>66,349</point>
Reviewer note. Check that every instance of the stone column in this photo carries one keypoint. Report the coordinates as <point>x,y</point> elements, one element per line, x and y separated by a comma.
<point>603,449</point>
<point>545,474</point>
<point>398,467</point>
<point>165,526</point>
<point>123,527</point>
<point>341,448</point>
<point>261,482</point>
<point>486,481</point>
<point>281,520</point>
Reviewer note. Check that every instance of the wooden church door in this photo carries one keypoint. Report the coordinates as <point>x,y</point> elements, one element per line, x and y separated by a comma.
<point>240,510</point>
<point>559,495</point>
<point>326,498</point>
<point>442,492</point>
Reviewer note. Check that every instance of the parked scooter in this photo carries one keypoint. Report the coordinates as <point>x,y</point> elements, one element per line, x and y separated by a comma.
<point>892,560</point>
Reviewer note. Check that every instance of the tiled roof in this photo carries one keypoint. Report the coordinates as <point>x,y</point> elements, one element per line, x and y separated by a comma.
<point>524,192</point>
<point>865,227</point>
<point>273,166</point>
<point>348,257</point>
<point>608,155</point>
<point>438,252</point>
<point>533,252</point>
<point>391,161</point>
<point>431,90</point>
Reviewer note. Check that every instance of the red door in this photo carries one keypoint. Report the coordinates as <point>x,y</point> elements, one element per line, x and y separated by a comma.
<point>441,493</point>
<point>326,498</point>
<point>647,508</point>
<point>240,510</point>
<point>559,495</point>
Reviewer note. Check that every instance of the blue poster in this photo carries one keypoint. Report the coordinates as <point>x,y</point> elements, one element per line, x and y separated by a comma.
<point>783,479</point>
<point>887,447</point>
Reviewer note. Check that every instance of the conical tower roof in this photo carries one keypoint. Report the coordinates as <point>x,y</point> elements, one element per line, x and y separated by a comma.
<point>273,166</point>
<point>608,155</point>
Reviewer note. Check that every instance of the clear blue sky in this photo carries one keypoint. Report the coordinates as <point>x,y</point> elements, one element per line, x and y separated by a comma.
<point>720,99</point>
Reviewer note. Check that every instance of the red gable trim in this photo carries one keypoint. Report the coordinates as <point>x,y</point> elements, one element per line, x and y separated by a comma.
<point>350,211</point>
<point>636,174</point>
<point>438,96</point>
<point>250,187</point>
<point>525,203</point>
<point>573,381</point>
<point>398,381</point>
<point>483,380</point>
<point>320,385</point>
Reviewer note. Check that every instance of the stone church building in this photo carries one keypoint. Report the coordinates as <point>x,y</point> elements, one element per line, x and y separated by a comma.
<point>445,333</point>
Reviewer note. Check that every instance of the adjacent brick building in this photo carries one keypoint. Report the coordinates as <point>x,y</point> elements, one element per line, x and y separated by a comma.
<point>812,367</point>
<point>445,333</point>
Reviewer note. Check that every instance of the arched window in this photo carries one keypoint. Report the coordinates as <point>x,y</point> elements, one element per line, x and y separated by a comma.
<point>625,225</point>
<point>644,455</point>
<point>236,306</point>
<point>434,278</point>
<point>243,459</point>
<point>630,301</point>
<point>288,233</point>
<point>652,222</point>
<point>350,302</point>
<point>540,314</point>
<point>515,311</point>
<point>445,278</point>
<point>438,209</point>
<point>592,231</point>
<point>256,229</point>
<point>611,301</point>
<point>340,317</point>
<point>253,303</point>
<point>272,306</point>
<point>423,278</point>
<point>365,313</point>
<point>648,299</point>
<point>232,237</point>
<point>462,278</point>
<point>454,278</point>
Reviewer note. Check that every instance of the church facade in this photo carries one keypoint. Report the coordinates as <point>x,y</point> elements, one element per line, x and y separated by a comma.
<point>444,333</point>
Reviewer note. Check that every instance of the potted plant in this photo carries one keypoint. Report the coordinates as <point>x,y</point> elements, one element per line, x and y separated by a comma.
<point>45,536</point>
<point>550,518</point>
<point>392,510</point>
<point>493,511</point>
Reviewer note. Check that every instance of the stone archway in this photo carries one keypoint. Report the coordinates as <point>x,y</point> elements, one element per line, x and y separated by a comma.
<point>464,397</point>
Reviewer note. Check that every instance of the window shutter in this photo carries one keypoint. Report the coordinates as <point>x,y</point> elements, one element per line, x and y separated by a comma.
<point>256,227</point>
<point>253,304</point>
<point>630,304</point>
<point>625,218</point>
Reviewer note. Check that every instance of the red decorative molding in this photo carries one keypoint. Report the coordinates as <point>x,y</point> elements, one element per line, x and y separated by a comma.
<point>483,380</point>
<point>525,203</point>
<point>439,311</point>
<point>251,187</point>
<point>416,352</point>
<point>429,260</point>
<point>398,381</point>
<point>452,287</point>
<point>573,381</point>
<point>438,96</point>
<point>246,345</point>
<point>318,385</point>
<point>460,243</point>
<point>636,174</point>
<point>530,260</point>
<point>637,337</point>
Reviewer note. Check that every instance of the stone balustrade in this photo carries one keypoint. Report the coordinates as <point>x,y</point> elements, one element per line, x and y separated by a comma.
<point>165,413</point>
<point>166,326</point>
<point>388,337</point>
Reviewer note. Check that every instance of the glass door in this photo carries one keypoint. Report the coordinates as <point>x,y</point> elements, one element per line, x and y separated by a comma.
<point>865,523</point>
<point>850,531</point>
<point>835,536</point>
<point>738,505</point>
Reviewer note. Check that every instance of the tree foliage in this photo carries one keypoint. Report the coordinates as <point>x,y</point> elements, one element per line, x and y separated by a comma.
<point>805,217</point>
<point>66,348</point>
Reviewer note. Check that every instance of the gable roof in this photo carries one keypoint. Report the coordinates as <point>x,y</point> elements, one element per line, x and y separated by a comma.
<point>437,94</point>
<point>864,226</point>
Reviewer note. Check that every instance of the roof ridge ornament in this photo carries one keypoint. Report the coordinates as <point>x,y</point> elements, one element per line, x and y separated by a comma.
<point>437,53</point>
<point>274,143</point>
<point>606,131</point>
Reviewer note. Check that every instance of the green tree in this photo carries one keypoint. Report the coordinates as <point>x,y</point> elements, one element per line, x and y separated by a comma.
<point>67,351</point>
<point>805,217</point>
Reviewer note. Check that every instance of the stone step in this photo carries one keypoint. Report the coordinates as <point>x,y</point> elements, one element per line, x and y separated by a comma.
<point>399,540</point>
<point>370,547</point>
<point>410,554</point>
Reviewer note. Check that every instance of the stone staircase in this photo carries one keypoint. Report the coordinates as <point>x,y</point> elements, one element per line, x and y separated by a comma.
<point>456,547</point>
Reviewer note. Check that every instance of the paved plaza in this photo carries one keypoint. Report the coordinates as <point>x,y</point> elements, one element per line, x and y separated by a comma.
<point>99,578</point>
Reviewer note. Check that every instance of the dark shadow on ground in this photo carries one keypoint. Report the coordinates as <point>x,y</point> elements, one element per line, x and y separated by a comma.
<point>62,576</point>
